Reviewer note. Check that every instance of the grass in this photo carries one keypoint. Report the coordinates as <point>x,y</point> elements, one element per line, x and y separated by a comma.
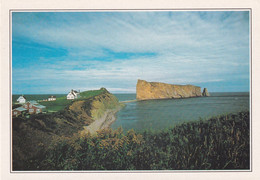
<point>57,105</point>
<point>30,97</point>
<point>88,94</point>
<point>62,102</point>
<point>218,143</point>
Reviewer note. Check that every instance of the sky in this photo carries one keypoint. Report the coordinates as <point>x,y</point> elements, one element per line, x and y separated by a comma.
<point>54,52</point>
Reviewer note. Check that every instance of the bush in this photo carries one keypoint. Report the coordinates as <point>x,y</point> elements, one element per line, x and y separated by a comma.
<point>219,143</point>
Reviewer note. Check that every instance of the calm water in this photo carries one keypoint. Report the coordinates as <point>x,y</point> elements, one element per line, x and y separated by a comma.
<point>160,114</point>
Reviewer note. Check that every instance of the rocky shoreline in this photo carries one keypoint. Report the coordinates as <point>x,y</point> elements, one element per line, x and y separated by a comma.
<point>102,123</point>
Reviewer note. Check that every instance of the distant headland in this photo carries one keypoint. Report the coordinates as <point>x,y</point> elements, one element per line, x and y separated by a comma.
<point>157,90</point>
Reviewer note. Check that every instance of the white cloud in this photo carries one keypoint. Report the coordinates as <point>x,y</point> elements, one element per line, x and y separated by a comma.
<point>135,32</point>
<point>187,47</point>
<point>124,74</point>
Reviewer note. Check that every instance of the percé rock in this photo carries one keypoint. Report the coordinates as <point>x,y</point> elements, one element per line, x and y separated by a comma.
<point>156,90</point>
<point>205,92</point>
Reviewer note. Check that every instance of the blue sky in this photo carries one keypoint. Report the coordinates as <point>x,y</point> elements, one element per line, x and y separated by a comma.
<point>54,52</point>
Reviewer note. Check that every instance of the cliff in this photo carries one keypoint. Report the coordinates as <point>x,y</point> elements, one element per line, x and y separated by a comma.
<point>156,90</point>
<point>32,136</point>
<point>102,111</point>
<point>93,108</point>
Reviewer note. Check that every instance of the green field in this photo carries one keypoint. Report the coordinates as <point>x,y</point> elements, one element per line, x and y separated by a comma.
<point>34,97</point>
<point>57,105</point>
<point>62,102</point>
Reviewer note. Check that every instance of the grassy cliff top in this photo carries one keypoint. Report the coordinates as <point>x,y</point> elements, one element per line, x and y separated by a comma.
<point>92,93</point>
<point>62,102</point>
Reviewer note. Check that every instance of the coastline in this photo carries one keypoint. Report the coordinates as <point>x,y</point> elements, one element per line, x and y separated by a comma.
<point>104,122</point>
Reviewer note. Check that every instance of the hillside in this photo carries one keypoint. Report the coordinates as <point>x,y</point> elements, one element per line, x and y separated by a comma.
<point>62,102</point>
<point>33,135</point>
<point>218,143</point>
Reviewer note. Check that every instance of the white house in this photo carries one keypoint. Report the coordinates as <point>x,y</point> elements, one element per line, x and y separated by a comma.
<point>21,99</point>
<point>73,94</point>
<point>52,98</point>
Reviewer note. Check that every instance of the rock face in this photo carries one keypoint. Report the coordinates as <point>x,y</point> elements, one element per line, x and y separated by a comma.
<point>205,92</point>
<point>92,108</point>
<point>156,90</point>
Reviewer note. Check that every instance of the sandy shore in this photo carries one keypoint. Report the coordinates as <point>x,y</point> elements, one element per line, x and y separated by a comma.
<point>104,122</point>
<point>128,101</point>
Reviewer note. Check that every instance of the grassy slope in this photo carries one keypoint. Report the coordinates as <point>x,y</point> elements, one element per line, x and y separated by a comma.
<point>218,143</point>
<point>62,102</point>
<point>35,134</point>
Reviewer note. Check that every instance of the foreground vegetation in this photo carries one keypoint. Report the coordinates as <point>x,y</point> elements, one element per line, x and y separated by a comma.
<point>218,143</point>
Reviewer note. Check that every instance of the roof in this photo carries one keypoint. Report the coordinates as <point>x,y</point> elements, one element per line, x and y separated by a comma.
<point>20,109</point>
<point>74,91</point>
<point>52,97</point>
<point>40,106</point>
<point>33,102</point>
<point>21,97</point>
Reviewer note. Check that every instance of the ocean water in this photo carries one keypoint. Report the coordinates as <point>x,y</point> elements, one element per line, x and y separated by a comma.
<point>161,114</point>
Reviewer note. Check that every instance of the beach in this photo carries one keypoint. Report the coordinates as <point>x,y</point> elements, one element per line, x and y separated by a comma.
<point>102,123</point>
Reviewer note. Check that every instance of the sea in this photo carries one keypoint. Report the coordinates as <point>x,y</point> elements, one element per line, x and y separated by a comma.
<point>166,113</point>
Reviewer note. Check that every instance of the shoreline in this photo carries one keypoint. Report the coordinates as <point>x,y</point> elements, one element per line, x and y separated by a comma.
<point>103,122</point>
<point>129,101</point>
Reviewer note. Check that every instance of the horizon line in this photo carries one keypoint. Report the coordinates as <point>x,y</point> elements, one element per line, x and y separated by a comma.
<point>130,93</point>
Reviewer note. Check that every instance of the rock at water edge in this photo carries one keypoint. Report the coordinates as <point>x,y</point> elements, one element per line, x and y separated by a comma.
<point>157,90</point>
<point>205,92</point>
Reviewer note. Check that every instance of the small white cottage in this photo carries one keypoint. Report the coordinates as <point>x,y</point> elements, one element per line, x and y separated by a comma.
<point>73,94</point>
<point>52,98</point>
<point>21,99</point>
